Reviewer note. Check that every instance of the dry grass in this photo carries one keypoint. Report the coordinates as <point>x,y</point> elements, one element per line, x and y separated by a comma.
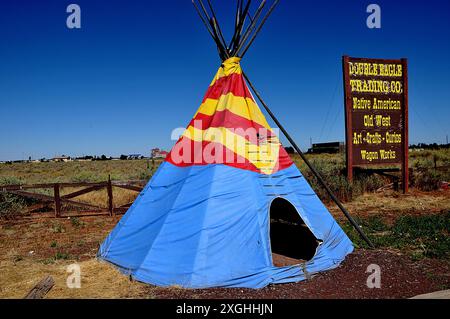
<point>90,171</point>
<point>98,280</point>
<point>100,197</point>
<point>392,205</point>
<point>30,250</point>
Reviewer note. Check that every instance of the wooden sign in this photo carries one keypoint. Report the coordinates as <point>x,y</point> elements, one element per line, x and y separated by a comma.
<point>376,113</point>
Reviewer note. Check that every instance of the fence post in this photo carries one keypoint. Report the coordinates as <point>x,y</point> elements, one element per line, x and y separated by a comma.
<point>110,196</point>
<point>57,200</point>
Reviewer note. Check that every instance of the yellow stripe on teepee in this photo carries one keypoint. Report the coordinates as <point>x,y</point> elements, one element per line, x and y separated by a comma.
<point>228,67</point>
<point>264,156</point>
<point>243,107</point>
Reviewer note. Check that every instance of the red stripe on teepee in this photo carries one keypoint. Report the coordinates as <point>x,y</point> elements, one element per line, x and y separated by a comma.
<point>284,160</point>
<point>233,83</point>
<point>228,120</point>
<point>187,152</point>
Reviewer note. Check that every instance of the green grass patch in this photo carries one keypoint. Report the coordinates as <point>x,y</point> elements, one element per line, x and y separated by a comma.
<point>420,236</point>
<point>76,222</point>
<point>61,256</point>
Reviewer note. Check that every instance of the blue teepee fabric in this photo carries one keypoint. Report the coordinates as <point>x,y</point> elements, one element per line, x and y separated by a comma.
<point>208,226</point>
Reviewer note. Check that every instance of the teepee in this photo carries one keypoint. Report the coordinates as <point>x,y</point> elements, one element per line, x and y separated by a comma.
<point>227,197</point>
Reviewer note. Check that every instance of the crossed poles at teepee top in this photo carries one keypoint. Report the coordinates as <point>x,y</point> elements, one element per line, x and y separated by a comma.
<point>238,46</point>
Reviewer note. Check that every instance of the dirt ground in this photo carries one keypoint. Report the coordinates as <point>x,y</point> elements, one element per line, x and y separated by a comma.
<point>33,248</point>
<point>400,278</point>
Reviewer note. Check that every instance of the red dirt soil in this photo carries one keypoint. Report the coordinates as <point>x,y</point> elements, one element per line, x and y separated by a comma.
<point>400,278</point>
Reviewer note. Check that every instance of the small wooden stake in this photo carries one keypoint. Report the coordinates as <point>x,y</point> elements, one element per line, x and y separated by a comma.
<point>41,289</point>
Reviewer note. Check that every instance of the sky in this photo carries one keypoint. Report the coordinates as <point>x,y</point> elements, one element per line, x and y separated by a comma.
<point>136,70</point>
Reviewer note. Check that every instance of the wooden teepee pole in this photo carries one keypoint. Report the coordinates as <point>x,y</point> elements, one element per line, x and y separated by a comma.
<point>258,29</point>
<point>251,27</point>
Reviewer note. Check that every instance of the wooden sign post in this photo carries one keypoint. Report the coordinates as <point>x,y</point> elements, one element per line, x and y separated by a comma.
<point>376,113</point>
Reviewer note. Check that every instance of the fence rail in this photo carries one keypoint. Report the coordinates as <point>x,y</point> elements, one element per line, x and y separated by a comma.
<point>80,208</point>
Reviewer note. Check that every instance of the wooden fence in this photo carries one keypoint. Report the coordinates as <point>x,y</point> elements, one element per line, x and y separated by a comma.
<point>78,208</point>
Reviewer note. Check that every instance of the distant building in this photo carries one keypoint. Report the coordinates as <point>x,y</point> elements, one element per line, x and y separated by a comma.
<point>134,156</point>
<point>84,158</point>
<point>158,153</point>
<point>62,158</point>
<point>330,147</point>
<point>289,150</point>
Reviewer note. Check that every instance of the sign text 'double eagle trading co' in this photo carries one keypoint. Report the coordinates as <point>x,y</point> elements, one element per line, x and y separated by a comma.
<point>376,108</point>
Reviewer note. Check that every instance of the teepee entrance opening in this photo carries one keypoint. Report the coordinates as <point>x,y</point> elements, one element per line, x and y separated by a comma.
<point>291,240</point>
